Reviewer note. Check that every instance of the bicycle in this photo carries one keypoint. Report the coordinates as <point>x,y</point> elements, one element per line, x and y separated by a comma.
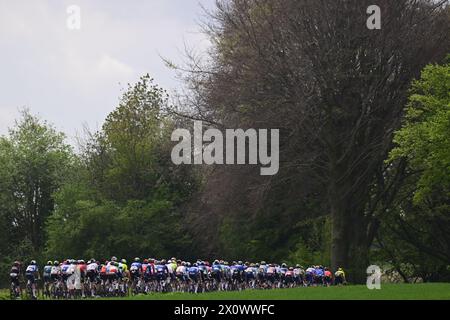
<point>14,291</point>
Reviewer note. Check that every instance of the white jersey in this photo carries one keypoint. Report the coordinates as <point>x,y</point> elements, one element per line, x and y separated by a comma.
<point>181,270</point>
<point>55,270</point>
<point>92,267</point>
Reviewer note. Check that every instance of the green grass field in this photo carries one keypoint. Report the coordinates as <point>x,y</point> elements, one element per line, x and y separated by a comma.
<point>429,291</point>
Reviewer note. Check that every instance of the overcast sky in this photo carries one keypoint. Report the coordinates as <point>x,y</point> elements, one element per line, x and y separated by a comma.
<point>72,77</point>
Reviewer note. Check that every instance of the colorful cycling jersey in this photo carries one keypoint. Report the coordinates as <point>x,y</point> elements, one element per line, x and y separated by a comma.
<point>136,267</point>
<point>271,270</point>
<point>55,270</point>
<point>64,268</point>
<point>161,268</point>
<point>283,270</point>
<point>193,270</point>
<point>14,272</point>
<point>47,270</point>
<point>181,270</point>
<point>250,270</point>
<point>123,268</point>
<point>235,269</point>
<point>340,273</point>
<point>328,274</point>
<point>289,273</point>
<point>310,271</point>
<point>319,272</point>
<point>92,267</point>
<point>111,269</point>
<point>226,270</point>
<point>203,269</point>
<point>31,269</point>
<point>216,268</point>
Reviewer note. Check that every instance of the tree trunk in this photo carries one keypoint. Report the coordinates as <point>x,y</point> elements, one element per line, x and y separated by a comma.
<point>349,244</point>
<point>339,241</point>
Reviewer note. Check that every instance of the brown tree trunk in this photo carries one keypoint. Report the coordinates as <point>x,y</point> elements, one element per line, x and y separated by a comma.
<point>339,239</point>
<point>349,243</point>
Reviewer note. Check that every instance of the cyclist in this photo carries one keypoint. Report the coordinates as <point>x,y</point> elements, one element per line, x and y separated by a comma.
<point>283,270</point>
<point>92,271</point>
<point>162,271</point>
<point>14,275</point>
<point>339,277</point>
<point>47,277</point>
<point>136,270</point>
<point>289,277</point>
<point>250,274</point>
<point>55,273</point>
<point>193,273</point>
<point>32,274</point>
<point>328,277</point>
<point>318,275</point>
<point>299,274</point>
<point>216,271</point>
<point>309,275</point>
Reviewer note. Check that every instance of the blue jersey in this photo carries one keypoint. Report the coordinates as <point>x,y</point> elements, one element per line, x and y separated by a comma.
<point>216,268</point>
<point>47,270</point>
<point>193,270</point>
<point>319,272</point>
<point>160,268</point>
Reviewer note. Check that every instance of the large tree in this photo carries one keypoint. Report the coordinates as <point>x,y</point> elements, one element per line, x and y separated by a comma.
<point>415,236</point>
<point>335,89</point>
<point>34,161</point>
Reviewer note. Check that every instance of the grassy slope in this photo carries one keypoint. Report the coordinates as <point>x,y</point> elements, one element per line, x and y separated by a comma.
<point>387,292</point>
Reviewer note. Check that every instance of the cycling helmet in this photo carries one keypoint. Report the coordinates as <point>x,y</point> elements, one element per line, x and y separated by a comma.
<point>240,262</point>
<point>33,262</point>
<point>114,259</point>
<point>284,265</point>
<point>263,262</point>
<point>81,261</point>
<point>137,259</point>
<point>49,262</point>
<point>297,266</point>
<point>124,261</point>
<point>16,263</point>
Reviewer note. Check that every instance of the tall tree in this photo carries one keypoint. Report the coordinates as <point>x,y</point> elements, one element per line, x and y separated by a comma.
<point>335,89</point>
<point>34,159</point>
<point>416,233</point>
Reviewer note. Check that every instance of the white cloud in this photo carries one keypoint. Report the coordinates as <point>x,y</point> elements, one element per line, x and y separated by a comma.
<point>72,77</point>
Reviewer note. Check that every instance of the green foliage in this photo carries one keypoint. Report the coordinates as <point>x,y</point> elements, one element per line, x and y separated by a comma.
<point>415,234</point>
<point>34,162</point>
<point>424,138</point>
<point>127,195</point>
